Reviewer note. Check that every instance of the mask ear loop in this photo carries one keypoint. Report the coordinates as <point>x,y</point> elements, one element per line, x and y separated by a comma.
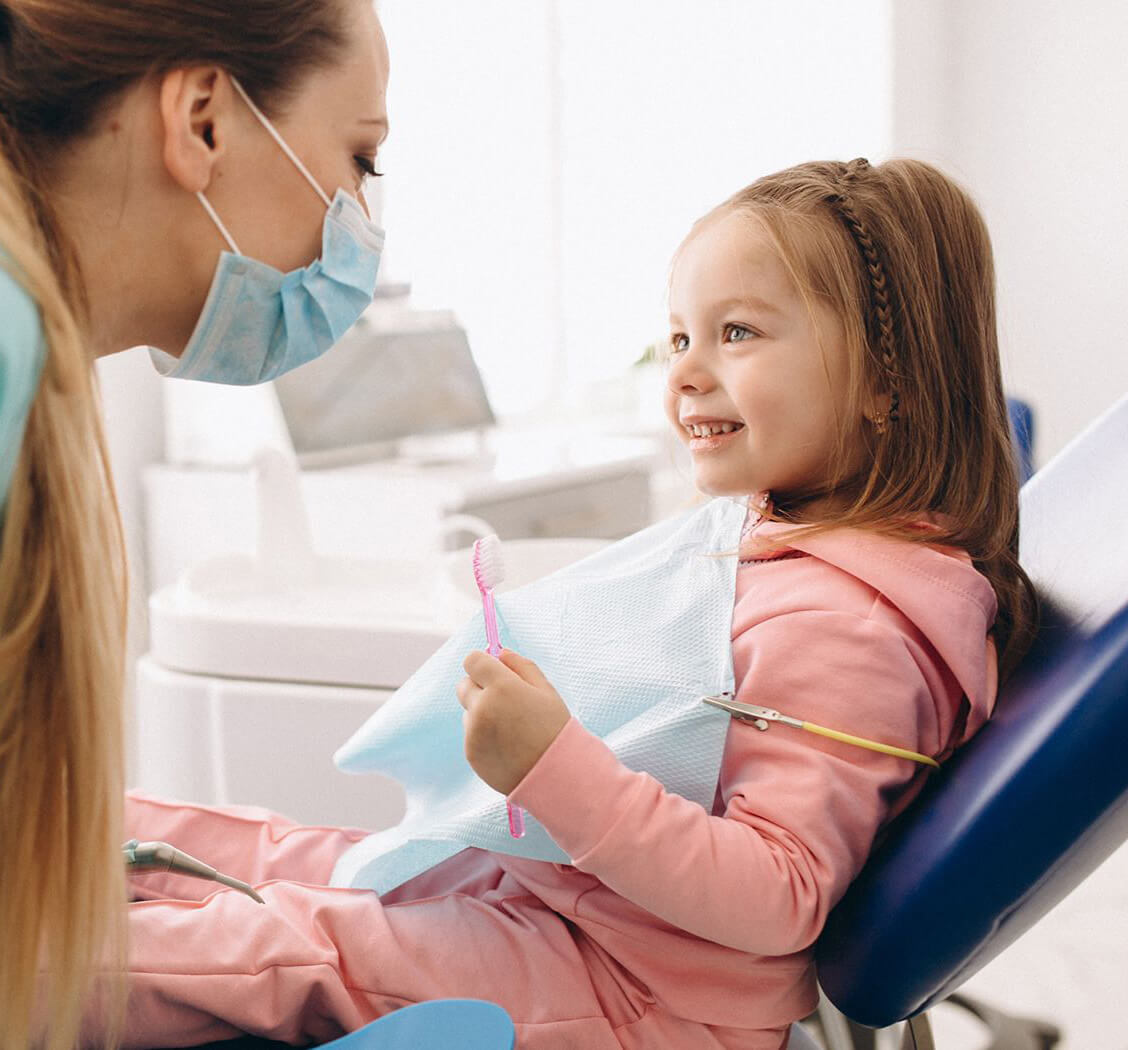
<point>281,142</point>
<point>218,222</point>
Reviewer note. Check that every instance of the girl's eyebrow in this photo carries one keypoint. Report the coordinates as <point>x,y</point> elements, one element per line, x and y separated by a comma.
<point>754,301</point>
<point>748,301</point>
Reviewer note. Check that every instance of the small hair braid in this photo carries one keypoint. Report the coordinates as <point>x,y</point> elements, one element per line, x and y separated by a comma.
<point>880,292</point>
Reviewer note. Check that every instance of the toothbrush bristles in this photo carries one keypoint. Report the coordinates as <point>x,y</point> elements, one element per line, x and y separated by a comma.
<point>489,566</point>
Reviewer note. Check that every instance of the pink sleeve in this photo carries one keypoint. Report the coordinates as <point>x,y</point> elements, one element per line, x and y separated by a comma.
<point>800,811</point>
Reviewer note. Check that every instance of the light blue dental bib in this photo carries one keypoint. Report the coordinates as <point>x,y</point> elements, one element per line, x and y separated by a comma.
<point>631,637</point>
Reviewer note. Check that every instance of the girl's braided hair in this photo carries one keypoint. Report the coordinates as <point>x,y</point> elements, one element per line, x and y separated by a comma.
<point>880,317</point>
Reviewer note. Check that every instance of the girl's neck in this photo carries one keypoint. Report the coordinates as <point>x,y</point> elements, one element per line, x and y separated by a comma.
<point>811,508</point>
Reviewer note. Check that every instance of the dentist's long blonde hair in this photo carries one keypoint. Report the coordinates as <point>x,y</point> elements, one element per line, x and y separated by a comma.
<point>61,656</point>
<point>62,562</point>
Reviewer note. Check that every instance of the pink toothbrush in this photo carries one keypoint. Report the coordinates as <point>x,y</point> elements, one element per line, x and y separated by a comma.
<point>489,571</point>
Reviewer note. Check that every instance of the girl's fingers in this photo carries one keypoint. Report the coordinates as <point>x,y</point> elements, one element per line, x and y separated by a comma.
<point>466,691</point>
<point>523,667</point>
<point>485,669</point>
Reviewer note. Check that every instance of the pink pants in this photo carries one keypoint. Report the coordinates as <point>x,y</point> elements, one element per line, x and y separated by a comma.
<point>207,963</point>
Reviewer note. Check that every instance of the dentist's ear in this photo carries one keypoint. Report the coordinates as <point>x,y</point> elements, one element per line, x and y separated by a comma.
<point>194,101</point>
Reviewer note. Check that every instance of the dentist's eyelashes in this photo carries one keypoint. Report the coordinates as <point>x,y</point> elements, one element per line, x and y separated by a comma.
<point>367,166</point>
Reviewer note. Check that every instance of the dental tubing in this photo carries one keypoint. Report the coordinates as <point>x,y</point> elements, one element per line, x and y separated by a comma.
<point>870,745</point>
<point>144,857</point>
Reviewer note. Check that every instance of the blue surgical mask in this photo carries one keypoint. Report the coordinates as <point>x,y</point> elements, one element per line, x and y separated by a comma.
<point>257,322</point>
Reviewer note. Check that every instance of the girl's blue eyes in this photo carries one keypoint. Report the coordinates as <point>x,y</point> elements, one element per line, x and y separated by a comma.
<point>732,333</point>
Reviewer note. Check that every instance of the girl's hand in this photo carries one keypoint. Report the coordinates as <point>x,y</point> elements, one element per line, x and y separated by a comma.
<point>512,715</point>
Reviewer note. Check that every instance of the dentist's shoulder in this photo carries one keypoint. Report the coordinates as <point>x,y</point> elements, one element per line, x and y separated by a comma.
<point>22,352</point>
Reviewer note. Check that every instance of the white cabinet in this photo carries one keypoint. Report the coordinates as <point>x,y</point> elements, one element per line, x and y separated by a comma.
<point>208,739</point>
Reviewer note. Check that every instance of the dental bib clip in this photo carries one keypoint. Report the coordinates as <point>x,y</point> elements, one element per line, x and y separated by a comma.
<point>760,717</point>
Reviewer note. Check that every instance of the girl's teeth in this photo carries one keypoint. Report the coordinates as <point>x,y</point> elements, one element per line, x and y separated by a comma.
<point>708,429</point>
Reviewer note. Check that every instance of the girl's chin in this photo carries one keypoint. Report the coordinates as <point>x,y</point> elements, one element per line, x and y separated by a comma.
<point>714,486</point>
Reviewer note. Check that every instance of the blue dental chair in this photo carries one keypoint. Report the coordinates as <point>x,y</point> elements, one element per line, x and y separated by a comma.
<point>1021,418</point>
<point>1033,804</point>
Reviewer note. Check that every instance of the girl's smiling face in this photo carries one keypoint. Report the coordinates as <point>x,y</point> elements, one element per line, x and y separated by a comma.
<point>757,383</point>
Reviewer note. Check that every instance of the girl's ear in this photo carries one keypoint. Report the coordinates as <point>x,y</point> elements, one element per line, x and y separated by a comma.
<point>195,107</point>
<point>878,407</point>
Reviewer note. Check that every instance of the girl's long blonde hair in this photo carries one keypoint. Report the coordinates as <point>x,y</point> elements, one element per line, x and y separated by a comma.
<point>902,256</point>
<point>62,562</point>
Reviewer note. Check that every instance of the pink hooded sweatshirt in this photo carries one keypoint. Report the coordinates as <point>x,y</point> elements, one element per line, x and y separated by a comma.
<point>715,918</point>
<point>673,926</point>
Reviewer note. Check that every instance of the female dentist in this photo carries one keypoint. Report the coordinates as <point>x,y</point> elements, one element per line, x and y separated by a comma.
<point>181,174</point>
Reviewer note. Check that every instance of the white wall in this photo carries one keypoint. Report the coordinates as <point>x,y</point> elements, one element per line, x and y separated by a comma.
<point>1027,104</point>
<point>547,156</point>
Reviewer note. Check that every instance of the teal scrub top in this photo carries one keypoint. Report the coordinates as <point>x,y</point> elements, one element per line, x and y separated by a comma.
<point>22,353</point>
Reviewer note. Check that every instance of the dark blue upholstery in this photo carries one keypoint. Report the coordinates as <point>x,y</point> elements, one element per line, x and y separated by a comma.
<point>1022,430</point>
<point>1039,797</point>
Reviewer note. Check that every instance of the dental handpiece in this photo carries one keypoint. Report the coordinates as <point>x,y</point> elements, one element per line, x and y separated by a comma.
<point>144,857</point>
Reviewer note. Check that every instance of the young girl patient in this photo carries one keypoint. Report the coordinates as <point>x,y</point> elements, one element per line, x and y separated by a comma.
<point>833,361</point>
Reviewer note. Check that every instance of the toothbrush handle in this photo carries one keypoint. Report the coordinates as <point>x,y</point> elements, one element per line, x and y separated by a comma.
<point>493,643</point>
<point>493,647</point>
